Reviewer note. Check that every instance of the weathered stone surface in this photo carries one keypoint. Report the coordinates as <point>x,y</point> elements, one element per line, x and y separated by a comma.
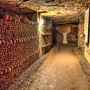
<point>60,71</point>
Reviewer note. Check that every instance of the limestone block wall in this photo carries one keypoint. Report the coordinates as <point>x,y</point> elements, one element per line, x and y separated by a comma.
<point>85,60</point>
<point>81,36</point>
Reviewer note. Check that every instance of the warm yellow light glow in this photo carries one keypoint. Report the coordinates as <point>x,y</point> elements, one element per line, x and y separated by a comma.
<point>50,13</point>
<point>40,30</point>
<point>86,20</point>
<point>59,13</point>
<point>40,23</point>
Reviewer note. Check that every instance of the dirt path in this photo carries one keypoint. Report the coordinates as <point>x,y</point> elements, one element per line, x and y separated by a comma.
<point>61,71</point>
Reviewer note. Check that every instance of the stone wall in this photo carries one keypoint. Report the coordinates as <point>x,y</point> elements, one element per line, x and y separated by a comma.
<point>81,36</point>
<point>18,47</point>
<point>85,60</point>
<point>86,31</point>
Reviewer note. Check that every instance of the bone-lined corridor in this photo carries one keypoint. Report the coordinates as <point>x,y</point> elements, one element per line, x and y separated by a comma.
<point>44,44</point>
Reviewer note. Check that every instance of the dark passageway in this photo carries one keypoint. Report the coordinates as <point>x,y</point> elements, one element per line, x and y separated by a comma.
<point>44,44</point>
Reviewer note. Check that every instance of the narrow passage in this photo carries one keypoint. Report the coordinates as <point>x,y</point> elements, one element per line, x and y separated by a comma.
<point>60,71</point>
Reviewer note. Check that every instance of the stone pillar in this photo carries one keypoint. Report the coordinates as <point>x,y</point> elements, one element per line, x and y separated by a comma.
<point>81,36</point>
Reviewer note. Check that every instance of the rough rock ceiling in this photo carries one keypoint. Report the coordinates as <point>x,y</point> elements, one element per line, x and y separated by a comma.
<point>8,1</point>
<point>53,7</point>
<point>63,9</point>
<point>11,5</point>
<point>57,7</point>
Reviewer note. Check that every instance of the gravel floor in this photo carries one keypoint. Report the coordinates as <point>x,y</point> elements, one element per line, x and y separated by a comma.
<point>60,71</point>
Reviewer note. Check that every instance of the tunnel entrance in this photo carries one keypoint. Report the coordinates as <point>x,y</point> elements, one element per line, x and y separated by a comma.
<point>66,34</point>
